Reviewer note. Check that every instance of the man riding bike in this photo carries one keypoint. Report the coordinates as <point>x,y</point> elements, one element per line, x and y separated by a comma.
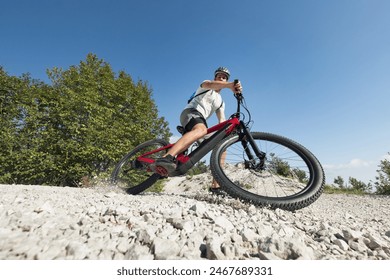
<point>205,101</point>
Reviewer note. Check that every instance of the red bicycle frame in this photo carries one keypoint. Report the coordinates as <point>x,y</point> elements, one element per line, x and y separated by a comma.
<point>185,162</point>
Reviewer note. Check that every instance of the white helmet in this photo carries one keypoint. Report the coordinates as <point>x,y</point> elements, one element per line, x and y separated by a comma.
<point>222,70</point>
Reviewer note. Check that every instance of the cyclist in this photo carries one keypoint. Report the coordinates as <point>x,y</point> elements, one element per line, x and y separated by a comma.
<point>205,101</point>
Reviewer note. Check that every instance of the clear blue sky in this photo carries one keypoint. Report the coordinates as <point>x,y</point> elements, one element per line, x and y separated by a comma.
<point>315,71</point>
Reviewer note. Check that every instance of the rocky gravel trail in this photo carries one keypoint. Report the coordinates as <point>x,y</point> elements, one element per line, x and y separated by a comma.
<point>185,222</point>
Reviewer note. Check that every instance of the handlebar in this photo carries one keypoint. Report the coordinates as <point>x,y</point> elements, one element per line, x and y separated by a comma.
<point>237,95</point>
<point>241,102</point>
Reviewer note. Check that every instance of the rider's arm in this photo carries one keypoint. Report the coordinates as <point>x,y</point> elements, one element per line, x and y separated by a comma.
<point>221,113</point>
<point>218,85</point>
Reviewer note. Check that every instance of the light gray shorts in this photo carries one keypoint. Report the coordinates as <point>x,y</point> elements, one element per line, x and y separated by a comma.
<point>191,117</point>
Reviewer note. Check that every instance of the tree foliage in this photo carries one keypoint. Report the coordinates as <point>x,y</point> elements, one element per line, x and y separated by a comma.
<point>382,182</point>
<point>359,185</point>
<point>339,181</point>
<point>283,168</point>
<point>199,168</point>
<point>78,126</point>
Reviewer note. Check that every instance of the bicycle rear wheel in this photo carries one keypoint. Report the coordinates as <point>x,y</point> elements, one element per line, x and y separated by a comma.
<point>134,176</point>
<point>290,178</point>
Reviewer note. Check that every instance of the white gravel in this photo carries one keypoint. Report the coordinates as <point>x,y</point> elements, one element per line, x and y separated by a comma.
<point>185,222</point>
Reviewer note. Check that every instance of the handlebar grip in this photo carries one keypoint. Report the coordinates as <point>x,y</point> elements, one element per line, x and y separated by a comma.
<point>236,81</point>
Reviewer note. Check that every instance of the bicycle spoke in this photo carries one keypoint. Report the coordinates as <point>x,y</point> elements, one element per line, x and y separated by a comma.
<point>134,176</point>
<point>284,173</point>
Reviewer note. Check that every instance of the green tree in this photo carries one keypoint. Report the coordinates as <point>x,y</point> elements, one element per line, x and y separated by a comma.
<point>199,168</point>
<point>300,175</point>
<point>382,183</point>
<point>21,154</point>
<point>339,181</point>
<point>79,126</point>
<point>359,185</point>
<point>10,91</point>
<point>283,168</point>
<point>280,167</point>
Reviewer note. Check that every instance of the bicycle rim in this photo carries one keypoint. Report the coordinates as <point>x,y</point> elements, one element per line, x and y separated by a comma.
<point>133,176</point>
<point>291,177</point>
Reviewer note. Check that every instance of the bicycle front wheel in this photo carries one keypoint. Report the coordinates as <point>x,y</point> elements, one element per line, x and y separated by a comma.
<point>134,176</point>
<point>290,177</point>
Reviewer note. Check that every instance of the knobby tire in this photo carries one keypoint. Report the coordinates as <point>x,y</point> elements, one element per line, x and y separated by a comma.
<point>291,178</point>
<point>136,178</point>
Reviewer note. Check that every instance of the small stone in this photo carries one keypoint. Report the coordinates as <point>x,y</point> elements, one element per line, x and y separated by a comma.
<point>341,244</point>
<point>223,223</point>
<point>165,249</point>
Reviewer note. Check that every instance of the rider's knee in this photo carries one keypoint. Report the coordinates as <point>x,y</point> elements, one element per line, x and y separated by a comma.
<point>201,130</point>
<point>204,131</point>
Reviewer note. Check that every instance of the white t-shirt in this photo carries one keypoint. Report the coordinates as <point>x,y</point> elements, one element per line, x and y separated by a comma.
<point>207,103</point>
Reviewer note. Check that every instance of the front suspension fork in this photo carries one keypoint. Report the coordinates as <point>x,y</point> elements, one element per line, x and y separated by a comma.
<point>246,140</point>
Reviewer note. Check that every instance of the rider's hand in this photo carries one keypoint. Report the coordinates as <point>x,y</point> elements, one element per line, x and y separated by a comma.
<point>237,88</point>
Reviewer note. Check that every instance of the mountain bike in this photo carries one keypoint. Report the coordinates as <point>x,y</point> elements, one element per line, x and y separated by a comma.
<point>257,167</point>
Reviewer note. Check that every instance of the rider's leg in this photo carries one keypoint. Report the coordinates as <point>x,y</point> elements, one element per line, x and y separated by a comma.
<point>214,184</point>
<point>197,132</point>
<point>167,162</point>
